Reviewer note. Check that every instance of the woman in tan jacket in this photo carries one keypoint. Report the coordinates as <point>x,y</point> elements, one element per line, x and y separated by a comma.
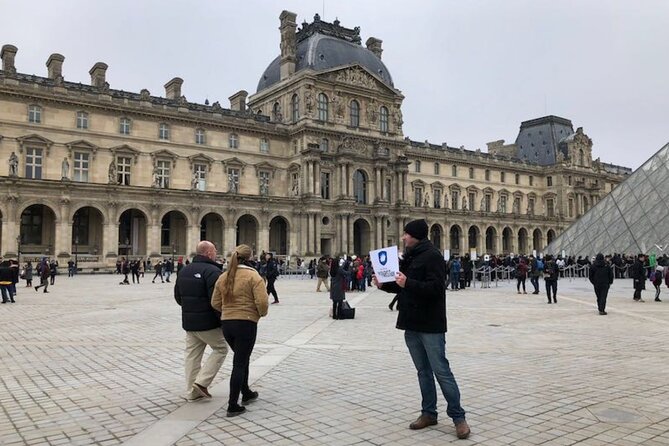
<point>241,297</point>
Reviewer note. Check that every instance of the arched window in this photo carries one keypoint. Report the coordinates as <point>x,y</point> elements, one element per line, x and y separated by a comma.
<point>355,113</point>
<point>322,107</point>
<point>276,112</point>
<point>581,157</point>
<point>360,187</point>
<point>383,119</point>
<point>295,107</point>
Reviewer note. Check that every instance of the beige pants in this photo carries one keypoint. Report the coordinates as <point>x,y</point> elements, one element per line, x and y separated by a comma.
<point>325,281</point>
<point>196,342</point>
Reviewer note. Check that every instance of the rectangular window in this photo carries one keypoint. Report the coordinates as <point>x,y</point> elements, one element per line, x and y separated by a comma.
<point>418,197</point>
<point>502,204</point>
<point>472,201</point>
<point>263,178</point>
<point>199,136</point>
<point>417,166</point>
<point>264,145</point>
<point>34,163</point>
<point>517,179</point>
<point>454,170</point>
<point>531,180</point>
<point>80,172</point>
<point>487,175</point>
<point>82,120</point>
<point>530,206</point>
<point>325,185</point>
<point>549,181</point>
<point>550,211</point>
<point>200,172</point>
<point>123,170</point>
<point>164,168</point>
<point>455,198</point>
<point>471,173</point>
<point>233,141</point>
<point>487,202</point>
<point>35,114</point>
<point>233,180</point>
<point>569,180</point>
<point>502,177</point>
<point>124,126</point>
<point>437,198</point>
<point>164,132</point>
<point>436,168</point>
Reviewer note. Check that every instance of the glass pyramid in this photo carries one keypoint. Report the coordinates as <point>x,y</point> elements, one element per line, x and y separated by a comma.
<point>632,219</point>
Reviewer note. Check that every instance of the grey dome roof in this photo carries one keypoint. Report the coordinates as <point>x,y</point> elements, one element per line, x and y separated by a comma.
<point>321,52</point>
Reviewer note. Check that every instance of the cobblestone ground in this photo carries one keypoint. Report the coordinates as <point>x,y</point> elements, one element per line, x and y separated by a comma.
<point>94,362</point>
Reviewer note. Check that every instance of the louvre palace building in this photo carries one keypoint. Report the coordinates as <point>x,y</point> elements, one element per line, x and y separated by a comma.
<point>314,162</point>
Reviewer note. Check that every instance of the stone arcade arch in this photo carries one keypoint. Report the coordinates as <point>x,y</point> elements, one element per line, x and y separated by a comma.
<point>38,230</point>
<point>247,231</point>
<point>278,236</point>
<point>435,236</point>
<point>491,240</point>
<point>87,231</point>
<point>522,241</point>
<point>537,243</point>
<point>473,238</point>
<point>211,229</point>
<point>173,234</point>
<point>550,236</point>
<point>132,236</point>
<point>361,237</point>
<point>455,239</point>
<point>507,240</point>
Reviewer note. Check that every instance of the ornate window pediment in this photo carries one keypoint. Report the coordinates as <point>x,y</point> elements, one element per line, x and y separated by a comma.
<point>437,185</point>
<point>234,162</point>
<point>264,166</point>
<point>503,192</point>
<point>357,75</point>
<point>454,187</point>
<point>164,155</point>
<point>125,149</point>
<point>549,195</point>
<point>201,158</point>
<point>417,183</point>
<point>81,145</point>
<point>473,189</point>
<point>35,140</point>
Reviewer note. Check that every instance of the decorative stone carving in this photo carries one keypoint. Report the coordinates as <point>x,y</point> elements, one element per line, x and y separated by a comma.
<point>356,76</point>
<point>372,113</point>
<point>65,170</point>
<point>156,176</point>
<point>195,181</point>
<point>308,101</point>
<point>338,105</point>
<point>426,199</point>
<point>354,145</point>
<point>145,95</point>
<point>13,165</point>
<point>295,186</point>
<point>397,118</point>
<point>464,203</point>
<point>113,179</point>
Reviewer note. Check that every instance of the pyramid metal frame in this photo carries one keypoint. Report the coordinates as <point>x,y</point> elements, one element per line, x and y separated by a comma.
<point>632,219</point>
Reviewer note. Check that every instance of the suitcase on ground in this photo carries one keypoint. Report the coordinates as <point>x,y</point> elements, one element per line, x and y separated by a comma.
<point>346,312</point>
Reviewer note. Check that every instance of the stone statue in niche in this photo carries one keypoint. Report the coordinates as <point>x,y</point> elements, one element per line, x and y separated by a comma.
<point>65,169</point>
<point>464,203</point>
<point>13,165</point>
<point>156,176</point>
<point>397,118</point>
<point>482,204</point>
<point>232,183</point>
<point>338,105</point>
<point>371,111</point>
<point>426,199</point>
<point>264,186</point>
<point>195,181</point>
<point>516,205</point>
<point>308,102</point>
<point>295,186</point>
<point>113,179</point>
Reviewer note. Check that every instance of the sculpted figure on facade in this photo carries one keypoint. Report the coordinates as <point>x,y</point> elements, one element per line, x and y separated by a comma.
<point>464,203</point>
<point>194,181</point>
<point>113,178</point>
<point>516,205</point>
<point>156,176</point>
<point>232,182</point>
<point>338,105</point>
<point>264,185</point>
<point>371,112</point>
<point>308,101</point>
<point>13,165</point>
<point>482,204</point>
<point>426,199</point>
<point>295,186</point>
<point>65,169</point>
<point>397,118</point>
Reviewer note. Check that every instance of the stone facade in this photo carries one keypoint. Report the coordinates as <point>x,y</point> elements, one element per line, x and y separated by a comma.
<point>314,163</point>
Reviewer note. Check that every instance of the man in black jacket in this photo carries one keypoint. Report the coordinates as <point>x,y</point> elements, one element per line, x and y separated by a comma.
<point>601,276</point>
<point>422,315</point>
<point>638,274</point>
<point>193,290</point>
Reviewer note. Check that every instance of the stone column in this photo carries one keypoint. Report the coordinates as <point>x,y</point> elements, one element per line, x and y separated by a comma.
<point>303,234</point>
<point>317,178</point>
<point>11,227</point>
<point>349,180</point>
<point>263,240</point>
<point>192,239</point>
<point>464,242</point>
<point>317,237</point>
<point>62,245</point>
<point>153,241</point>
<point>344,233</point>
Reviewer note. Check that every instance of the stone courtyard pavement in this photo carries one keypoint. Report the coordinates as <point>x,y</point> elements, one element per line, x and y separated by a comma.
<point>93,362</point>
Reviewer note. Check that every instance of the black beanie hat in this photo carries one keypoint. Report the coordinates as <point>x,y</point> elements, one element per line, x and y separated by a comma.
<point>417,229</point>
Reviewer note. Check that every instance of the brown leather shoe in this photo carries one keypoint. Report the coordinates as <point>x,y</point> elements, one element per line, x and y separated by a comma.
<point>462,429</point>
<point>423,421</point>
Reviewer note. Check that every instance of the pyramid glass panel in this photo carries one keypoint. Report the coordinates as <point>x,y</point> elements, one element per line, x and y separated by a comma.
<point>633,217</point>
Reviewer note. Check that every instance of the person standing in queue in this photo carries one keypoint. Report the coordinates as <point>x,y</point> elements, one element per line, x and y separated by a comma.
<point>241,297</point>
<point>422,315</point>
<point>601,276</point>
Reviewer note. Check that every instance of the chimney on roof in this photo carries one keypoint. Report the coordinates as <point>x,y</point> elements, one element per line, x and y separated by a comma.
<point>288,43</point>
<point>374,45</point>
<point>98,74</point>
<point>7,55</point>
<point>54,66</point>
<point>238,100</point>
<point>173,88</point>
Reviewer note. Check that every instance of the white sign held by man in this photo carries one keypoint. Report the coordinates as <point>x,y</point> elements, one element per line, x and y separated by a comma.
<point>385,263</point>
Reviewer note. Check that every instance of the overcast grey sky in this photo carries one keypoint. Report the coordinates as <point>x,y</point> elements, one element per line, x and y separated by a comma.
<point>471,71</point>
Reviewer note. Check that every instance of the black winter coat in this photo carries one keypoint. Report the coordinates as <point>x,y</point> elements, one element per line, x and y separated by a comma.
<point>193,290</point>
<point>422,301</point>
<point>601,274</point>
<point>639,275</point>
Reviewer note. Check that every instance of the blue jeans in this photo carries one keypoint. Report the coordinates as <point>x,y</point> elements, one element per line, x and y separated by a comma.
<point>428,352</point>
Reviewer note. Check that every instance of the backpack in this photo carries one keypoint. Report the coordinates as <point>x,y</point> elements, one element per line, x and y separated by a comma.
<point>540,265</point>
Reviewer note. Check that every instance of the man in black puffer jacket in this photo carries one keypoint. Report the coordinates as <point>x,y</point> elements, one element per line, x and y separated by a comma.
<point>601,276</point>
<point>422,315</point>
<point>193,290</point>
